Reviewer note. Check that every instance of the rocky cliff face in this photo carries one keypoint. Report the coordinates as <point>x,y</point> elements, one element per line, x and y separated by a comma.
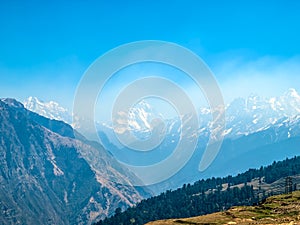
<point>49,177</point>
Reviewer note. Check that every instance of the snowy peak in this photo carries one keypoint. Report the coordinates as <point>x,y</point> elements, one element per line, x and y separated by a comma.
<point>292,93</point>
<point>243,115</point>
<point>286,105</point>
<point>139,120</point>
<point>51,110</point>
<point>257,113</point>
<point>12,103</point>
<point>141,112</point>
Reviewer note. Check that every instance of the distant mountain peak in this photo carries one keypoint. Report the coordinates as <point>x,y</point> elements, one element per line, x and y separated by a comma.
<point>243,115</point>
<point>12,102</point>
<point>292,93</point>
<point>51,109</point>
<point>139,119</point>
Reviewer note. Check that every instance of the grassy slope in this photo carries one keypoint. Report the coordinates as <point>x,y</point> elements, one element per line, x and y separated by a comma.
<point>280,209</point>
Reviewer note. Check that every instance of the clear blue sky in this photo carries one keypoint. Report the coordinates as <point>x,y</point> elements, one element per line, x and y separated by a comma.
<point>46,47</point>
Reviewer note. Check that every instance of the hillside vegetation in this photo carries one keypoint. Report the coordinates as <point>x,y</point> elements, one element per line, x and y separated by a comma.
<point>280,209</point>
<point>212,195</point>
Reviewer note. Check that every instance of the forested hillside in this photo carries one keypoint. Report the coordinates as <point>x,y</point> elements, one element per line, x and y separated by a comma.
<point>211,195</point>
<point>276,210</point>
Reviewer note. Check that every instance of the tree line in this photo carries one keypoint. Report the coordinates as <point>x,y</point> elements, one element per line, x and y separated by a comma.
<point>204,196</point>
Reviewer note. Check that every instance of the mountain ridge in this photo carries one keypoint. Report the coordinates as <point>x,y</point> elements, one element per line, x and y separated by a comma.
<point>51,109</point>
<point>213,194</point>
<point>252,109</point>
<point>44,169</point>
<point>254,126</point>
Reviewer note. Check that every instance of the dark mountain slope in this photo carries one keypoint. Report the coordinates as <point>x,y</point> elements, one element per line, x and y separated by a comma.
<point>51,178</point>
<point>212,195</point>
<point>276,210</point>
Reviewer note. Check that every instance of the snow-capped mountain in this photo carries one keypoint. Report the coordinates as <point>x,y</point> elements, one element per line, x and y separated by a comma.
<point>253,125</point>
<point>243,116</point>
<point>140,121</point>
<point>258,131</point>
<point>51,110</point>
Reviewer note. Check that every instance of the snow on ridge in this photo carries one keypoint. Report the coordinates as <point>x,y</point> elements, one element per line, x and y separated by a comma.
<point>51,110</point>
<point>243,116</point>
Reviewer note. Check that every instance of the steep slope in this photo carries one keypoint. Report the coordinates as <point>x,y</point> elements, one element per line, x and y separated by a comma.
<point>213,195</point>
<point>276,210</point>
<point>49,177</point>
<point>51,110</point>
<point>275,143</point>
<point>243,116</point>
<point>258,131</point>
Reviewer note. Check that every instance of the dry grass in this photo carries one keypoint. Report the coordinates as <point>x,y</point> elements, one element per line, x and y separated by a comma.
<point>281,209</point>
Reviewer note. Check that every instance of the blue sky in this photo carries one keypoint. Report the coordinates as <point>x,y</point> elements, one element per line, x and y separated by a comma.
<point>45,47</point>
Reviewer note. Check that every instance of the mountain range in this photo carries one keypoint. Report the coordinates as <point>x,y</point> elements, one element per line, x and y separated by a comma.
<point>51,110</point>
<point>49,177</point>
<point>243,116</point>
<point>258,131</point>
<point>51,174</point>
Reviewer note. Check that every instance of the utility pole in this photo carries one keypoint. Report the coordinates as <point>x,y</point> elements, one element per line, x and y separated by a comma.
<point>288,185</point>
